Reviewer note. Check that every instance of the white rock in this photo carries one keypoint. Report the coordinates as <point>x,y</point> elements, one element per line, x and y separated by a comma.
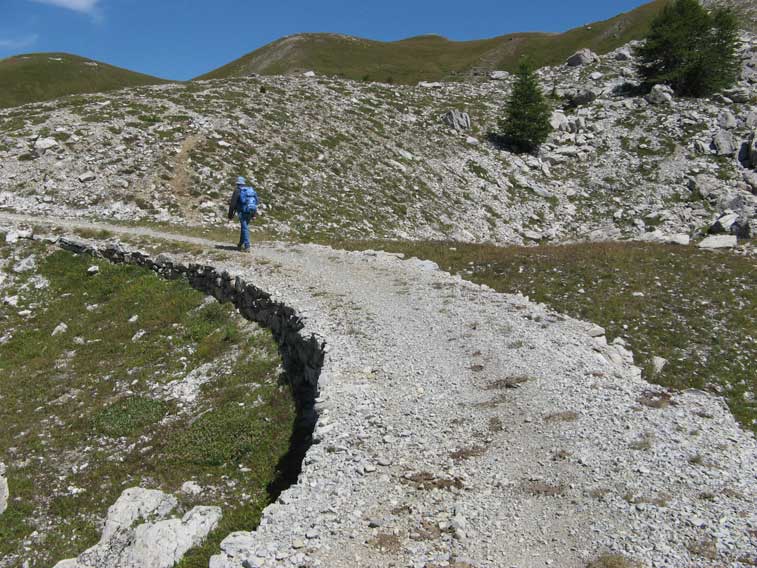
<point>60,329</point>
<point>719,241</point>
<point>87,176</point>
<point>659,363</point>
<point>191,488</point>
<point>4,491</point>
<point>156,543</point>
<point>43,144</point>
<point>499,75</point>
<point>659,95</point>
<point>309,74</point>
<point>92,270</point>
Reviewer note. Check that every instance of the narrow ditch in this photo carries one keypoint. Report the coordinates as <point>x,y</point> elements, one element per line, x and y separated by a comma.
<point>302,356</point>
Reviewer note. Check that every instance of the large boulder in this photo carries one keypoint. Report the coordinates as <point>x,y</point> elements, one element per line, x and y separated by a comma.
<point>719,241</point>
<point>137,533</point>
<point>660,95</point>
<point>582,57</point>
<point>457,120</point>
<point>723,143</point>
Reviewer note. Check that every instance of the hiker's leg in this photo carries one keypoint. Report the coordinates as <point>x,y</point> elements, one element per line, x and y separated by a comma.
<point>244,220</point>
<point>241,231</point>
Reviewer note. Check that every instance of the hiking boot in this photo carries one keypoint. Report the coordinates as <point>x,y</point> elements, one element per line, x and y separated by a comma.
<point>244,249</point>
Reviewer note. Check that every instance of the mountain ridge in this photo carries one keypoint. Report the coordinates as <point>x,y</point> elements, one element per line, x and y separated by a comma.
<point>432,57</point>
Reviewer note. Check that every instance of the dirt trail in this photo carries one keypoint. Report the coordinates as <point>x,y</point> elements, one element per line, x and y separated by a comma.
<point>462,427</point>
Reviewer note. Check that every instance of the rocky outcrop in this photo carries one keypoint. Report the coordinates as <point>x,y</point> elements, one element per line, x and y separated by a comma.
<point>752,152</point>
<point>138,534</point>
<point>582,57</point>
<point>457,120</point>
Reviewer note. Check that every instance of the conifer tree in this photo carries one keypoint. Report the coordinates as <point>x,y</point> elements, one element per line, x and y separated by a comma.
<point>526,124</point>
<point>690,49</point>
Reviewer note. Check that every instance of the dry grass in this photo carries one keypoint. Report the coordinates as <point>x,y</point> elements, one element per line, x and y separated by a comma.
<point>508,383</point>
<point>654,399</point>
<point>427,481</point>
<point>566,416</point>
<point>543,489</point>
<point>613,561</point>
<point>467,453</point>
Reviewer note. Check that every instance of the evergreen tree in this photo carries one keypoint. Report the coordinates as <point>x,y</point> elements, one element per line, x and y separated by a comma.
<point>690,49</point>
<point>526,123</point>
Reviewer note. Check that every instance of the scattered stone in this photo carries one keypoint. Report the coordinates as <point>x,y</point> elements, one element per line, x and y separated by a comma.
<point>191,488</point>
<point>499,75</point>
<point>752,152</point>
<point>87,177</point>
<point>92,270</point>
<point>624,54</point>
<point>60,329</point>
<point>309,74</point>
<point>583,97</point>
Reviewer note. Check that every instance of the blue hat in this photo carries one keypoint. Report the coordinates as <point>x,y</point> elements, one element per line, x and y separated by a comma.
<point>241,180</point>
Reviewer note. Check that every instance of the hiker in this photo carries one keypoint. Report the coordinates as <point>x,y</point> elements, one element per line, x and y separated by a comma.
<point>244,202</point>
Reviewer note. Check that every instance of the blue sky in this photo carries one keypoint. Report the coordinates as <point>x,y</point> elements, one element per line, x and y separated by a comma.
<point>180,39</point>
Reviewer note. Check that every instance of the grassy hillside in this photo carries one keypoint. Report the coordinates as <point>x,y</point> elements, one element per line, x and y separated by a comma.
<point>432,58</point>
<point>43,76</point>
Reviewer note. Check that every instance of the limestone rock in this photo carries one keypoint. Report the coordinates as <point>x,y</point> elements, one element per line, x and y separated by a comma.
<point>752,152</point>
<point>726,120</point>
<point>499,75</point>
<point>43,144</point>
<point>457,120</point>
<point>583,97</point>
<point>718,242</point>
<point>4,492</point>
<point>660,95</point>
<point>723,143</point>
<point>582,57</point>
<point>624,54</point>
<point>87,177</point>
<point>658,364</point>
<point>154,543</point>
<point>60,329</point>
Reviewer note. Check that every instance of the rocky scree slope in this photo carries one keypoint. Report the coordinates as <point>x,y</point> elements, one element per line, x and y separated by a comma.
<point>458,426</point>
<point>335,158</point>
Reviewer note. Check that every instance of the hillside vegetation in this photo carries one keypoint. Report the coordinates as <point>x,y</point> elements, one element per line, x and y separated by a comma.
<point>43,76</point>
<point>433,58</point>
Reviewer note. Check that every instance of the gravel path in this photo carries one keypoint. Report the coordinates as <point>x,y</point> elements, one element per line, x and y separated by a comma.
<point>462,427</point>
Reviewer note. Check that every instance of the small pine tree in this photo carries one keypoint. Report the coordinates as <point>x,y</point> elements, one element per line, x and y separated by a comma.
<point>526,124</point>
<point>690,49</point>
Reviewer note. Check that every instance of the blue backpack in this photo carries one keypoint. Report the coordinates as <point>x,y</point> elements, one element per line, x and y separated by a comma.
<point>248,200</point>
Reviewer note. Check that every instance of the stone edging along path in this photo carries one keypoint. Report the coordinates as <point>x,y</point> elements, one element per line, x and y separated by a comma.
<point>461,427</point>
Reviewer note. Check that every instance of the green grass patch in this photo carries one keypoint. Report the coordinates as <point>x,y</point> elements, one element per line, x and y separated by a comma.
<point>129,416</point>
<point>84,413</point>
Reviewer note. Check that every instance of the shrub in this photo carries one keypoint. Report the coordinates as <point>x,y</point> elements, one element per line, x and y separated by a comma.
<point>526,123</point>
<point>690,49</point>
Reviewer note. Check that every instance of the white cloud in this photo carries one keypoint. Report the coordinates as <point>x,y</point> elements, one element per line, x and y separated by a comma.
<point>19,43</point>
<point>85,6</point>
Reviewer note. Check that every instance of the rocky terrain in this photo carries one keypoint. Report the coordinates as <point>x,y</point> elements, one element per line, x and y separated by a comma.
<point>461,427</point>
<point>351,159</point>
